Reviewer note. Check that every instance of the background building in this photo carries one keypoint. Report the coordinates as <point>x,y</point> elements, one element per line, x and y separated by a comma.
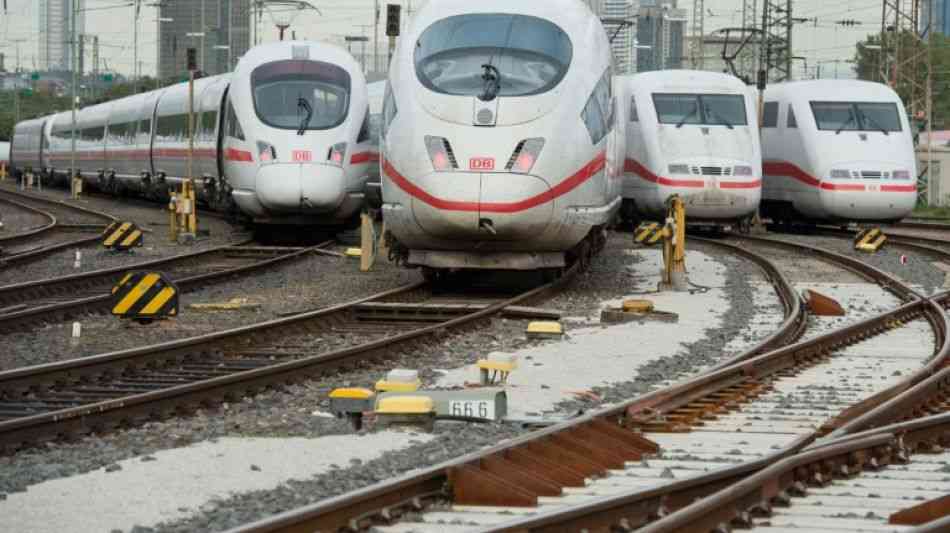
<point>941,15</point>
<point>623,37</point>
<point>661,27</point>
<point>54,31</point>
<point>225,25</point>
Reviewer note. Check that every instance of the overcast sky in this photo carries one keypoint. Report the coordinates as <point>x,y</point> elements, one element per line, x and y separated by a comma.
<point>818,41</point>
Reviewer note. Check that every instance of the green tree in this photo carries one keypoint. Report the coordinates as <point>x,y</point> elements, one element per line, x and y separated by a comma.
<point>868,64</point>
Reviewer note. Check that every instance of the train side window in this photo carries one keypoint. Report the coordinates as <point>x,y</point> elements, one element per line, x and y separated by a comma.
<point>770,115</point>
<point>389,110</point>
<point>634,116</point>
<point>364,135</point>
<point>145,127</point>
<point>791,122</point>
<point>234,127</point>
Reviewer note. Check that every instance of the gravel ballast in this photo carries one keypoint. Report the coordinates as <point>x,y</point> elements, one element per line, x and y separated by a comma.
<point>300,410</point>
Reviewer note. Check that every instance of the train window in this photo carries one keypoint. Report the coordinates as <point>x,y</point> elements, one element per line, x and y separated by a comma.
<point>857,116</point>
<point>596,114</point>
<point>364,130</point>
<point>700,109</point>
<point>145,127</point>
<point>790,122</point>
<point>389,110</point>
<point>234,127</point>
<point>209,123</point>
<point>770,115</point>
<point>634,117</point>
<point>301,94</point>
<point>527,55</point>
<point>879,116</point>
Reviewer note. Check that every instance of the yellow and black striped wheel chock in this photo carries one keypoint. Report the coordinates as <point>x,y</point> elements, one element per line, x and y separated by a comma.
<point>649,233</point>
<point>122,236</point>
<point>869,240</point>
<point>145,296</point>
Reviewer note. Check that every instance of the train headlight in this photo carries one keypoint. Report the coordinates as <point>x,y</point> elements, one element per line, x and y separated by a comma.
<point>525,155</point>
<point>440,153</point>
<point>840,174</point>
<point>266,152</point>
<point>901,175</point>
<point>337,154</point>
<point>742,170</point>
<point>678,169</point>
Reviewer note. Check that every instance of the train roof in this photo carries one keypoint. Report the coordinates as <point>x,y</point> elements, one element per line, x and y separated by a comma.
<point>572,16</point>
<point>683,80</point>
<point>851,90</point>
<point>316,51</point>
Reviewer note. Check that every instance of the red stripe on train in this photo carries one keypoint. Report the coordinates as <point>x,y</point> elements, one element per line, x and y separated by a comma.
<point>784,168</point>
<point>587,172</point>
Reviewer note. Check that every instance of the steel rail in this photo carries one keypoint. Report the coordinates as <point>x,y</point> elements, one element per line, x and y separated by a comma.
<point>31,233</point>
<point>355,510</point>
<point>42,251</point>
<point>13,296</point>
<point>777,483</point>
<point>20,431</point>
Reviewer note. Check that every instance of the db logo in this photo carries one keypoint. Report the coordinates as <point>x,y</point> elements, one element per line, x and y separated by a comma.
<point>302,156</point>
<point>872,188</point>
<point>481,163</point>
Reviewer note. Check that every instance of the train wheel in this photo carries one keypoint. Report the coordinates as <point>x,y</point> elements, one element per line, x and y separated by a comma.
<point>435,276</point>
<point>745,225</point>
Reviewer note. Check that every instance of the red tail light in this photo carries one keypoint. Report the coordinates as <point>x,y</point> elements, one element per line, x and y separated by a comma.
<point>337,154</point>
<point>440,153</point>
<point>525,155</point>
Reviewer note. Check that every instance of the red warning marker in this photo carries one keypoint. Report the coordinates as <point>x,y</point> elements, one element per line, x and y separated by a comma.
<point>903,259</point>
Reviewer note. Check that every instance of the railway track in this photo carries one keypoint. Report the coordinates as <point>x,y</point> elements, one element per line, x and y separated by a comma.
<point>29,305</point>
<point>67,226</point>
<point>645,455</point>
<point>100,392</point>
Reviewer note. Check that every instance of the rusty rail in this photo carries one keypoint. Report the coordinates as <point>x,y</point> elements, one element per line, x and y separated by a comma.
<point>542,462</point>
<point>26,430</point>
<point>19,297</point>
<point>55,225</point>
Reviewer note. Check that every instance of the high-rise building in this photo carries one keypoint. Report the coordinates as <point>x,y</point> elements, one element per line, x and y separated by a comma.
<point>661,33</point>
<point>941,16</point>
<point>219,30</point>
<point>623,36</point>
<point>54,32</point>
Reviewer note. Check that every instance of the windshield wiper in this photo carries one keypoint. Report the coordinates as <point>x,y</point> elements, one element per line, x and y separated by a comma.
<point>845,125</point>
<point>305,123</point>
<point>720,117</point>
<point>875,123</point>
<point>686,117</point>
<point>492,79</point>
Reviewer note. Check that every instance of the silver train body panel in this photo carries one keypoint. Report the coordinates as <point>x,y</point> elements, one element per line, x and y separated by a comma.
<point>476,201</point>
<point>679,143</point>
<point>310,173</point>
<point>837,151</point>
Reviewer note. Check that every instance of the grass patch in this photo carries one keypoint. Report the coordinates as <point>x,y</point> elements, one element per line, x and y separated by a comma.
<point>932,212</point>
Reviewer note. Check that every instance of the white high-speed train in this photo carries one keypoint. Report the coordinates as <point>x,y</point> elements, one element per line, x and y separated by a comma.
<point>837,151</point>
<point>694,134</point>
<point>286,138</point>
<point>499,144</point>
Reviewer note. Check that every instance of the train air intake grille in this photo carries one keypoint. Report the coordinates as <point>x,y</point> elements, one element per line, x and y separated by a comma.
<point>871,174</point>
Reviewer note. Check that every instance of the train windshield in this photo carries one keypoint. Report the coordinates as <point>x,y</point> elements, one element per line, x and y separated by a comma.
<point>493,55</point>
<point>301,95</point>
<point>701,109</point>
<point>857,116</point>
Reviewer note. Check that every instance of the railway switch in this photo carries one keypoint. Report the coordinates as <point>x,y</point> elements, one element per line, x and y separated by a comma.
<point>544,330</point>
<point>478,405</point>
<point>636,310</point>
<point>673,236</point>
<point>869,240</point>
<point>351,403</point>
<point>399,380</point>
<point>145,296</point>
<point>183,214</point>
<point>122,237</point>
<point>496,369</point>
<point>406,409</point>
